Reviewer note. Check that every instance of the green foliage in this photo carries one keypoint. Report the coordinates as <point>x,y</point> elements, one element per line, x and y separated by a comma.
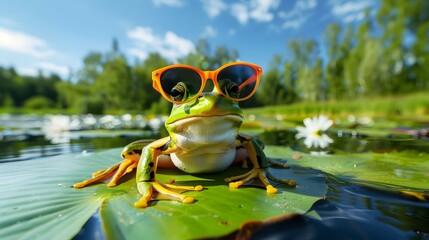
<point>395,171</point>
<point>406,106</point>
<point>38,102</point>
<point>161,107</point>
<point>386,54</point>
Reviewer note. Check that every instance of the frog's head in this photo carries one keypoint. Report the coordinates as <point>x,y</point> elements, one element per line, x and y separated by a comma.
<point>206,105</point>
<point>199,111</point>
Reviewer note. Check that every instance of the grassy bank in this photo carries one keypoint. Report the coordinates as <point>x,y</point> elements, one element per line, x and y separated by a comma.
<point>414,105</point>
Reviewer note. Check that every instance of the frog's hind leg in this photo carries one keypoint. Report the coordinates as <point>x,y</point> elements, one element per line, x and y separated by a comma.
<point>165,189</point>
<point>252,174</point>
<point>98,176</point>
<point>125,167</point>
<point>117,171</point>
<point>260,169</point>
<point>279,164</point>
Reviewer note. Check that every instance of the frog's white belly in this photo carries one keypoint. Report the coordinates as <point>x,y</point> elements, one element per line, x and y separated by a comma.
<point>206,143</point>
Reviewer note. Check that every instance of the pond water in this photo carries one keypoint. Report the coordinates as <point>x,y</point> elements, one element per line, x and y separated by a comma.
<point>349,211</point>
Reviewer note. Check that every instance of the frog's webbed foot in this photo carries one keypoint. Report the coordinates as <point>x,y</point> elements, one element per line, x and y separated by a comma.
<point>279,164</point>
<point>263,175</point>
<point>255,173</point>
<point>117,171</point>
<point>150,189</point>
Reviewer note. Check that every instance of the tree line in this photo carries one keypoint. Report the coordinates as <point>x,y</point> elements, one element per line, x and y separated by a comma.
<point>387,54</point>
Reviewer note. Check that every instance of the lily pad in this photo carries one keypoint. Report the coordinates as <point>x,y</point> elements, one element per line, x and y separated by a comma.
<point>397,171</point>
<point>38,203</point>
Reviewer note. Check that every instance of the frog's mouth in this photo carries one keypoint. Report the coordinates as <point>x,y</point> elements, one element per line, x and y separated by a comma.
<point>228,117</point>
<point>212,132</point>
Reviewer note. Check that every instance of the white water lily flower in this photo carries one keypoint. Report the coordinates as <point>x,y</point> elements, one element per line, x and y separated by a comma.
<point>57,128</point>
<point>313,132</point>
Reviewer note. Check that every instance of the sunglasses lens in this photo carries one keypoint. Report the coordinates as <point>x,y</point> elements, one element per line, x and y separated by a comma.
<point>180,84</point>
<point>237,81</point>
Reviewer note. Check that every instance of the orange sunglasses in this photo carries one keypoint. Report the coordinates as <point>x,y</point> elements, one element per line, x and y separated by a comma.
<point>180,83</point>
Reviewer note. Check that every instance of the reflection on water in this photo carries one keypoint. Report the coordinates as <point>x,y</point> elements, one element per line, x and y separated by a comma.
<point>387,212</point>
<point>348,212</point>
<point>24,137</point>
<point>349,142</point>
<point>355,212</point>
<point>36,147</point>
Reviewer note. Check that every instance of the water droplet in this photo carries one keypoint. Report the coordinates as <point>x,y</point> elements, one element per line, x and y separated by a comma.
<point>60,185</point>
<point>86,153</point>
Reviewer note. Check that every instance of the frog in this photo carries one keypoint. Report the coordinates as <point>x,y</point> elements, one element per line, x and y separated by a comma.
<point>203,137</point>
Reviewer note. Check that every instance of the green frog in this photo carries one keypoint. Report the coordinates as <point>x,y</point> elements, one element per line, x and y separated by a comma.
<point>203,132</point>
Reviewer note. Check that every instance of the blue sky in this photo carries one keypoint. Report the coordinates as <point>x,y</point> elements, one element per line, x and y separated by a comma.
<point>55,36</point>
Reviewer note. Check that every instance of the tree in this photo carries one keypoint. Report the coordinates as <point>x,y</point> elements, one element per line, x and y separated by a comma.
<point>335,68</point>
<point>305,54</point>
<point>271,90</point>
<point>143,94</point>
<point>113,85</point>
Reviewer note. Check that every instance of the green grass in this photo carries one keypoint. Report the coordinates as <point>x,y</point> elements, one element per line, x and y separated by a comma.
<point>415,106</point>
<point>411,106</point>
<point>23,110</point>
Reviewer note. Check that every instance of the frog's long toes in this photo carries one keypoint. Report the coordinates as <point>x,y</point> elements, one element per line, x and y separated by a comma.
<point>292,183</point>
<point>188,199</point>
<point>95,174</point>
<point>140,204</point>
<point>79,185</point>
<point>271,189</point>
<point>198,188</point>
<point>235,185</point>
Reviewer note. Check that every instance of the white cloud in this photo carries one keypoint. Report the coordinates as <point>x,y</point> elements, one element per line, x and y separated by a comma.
<point>213,7</point>
<point>306,4</point>
<point>349,11</point>
<point>23,43</point>
<point>294,23</point>
<point>239,11</point>
<point>359,16</point>
<point>170,3</point>
<point>53,68</point>
<point>45,68</point>
<point>349,7</point>
<point>261,9</point>
<point>209,31</point>
<point>298,15</point>
<point>28,71</point>
<point>258,10</point>
<point>171,46</point>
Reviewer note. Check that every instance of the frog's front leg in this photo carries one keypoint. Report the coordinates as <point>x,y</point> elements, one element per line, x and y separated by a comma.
<point>260,166</point>
<point>130,154</point>
<point>147,184</point>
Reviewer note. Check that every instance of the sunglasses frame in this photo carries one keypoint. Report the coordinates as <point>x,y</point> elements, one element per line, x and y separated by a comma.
<point>204,75</point>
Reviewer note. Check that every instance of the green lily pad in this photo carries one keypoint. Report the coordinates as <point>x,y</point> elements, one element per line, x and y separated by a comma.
<point>398,171</point>
<point>37,201</point>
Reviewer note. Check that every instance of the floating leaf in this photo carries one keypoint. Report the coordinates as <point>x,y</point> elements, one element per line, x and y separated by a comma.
<point>391,171</point>
<point>37,201</point>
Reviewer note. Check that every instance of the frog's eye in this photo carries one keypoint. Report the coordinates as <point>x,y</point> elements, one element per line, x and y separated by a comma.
<point>229,88</point>
<point>178,92</point>
<point>232,89</point>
